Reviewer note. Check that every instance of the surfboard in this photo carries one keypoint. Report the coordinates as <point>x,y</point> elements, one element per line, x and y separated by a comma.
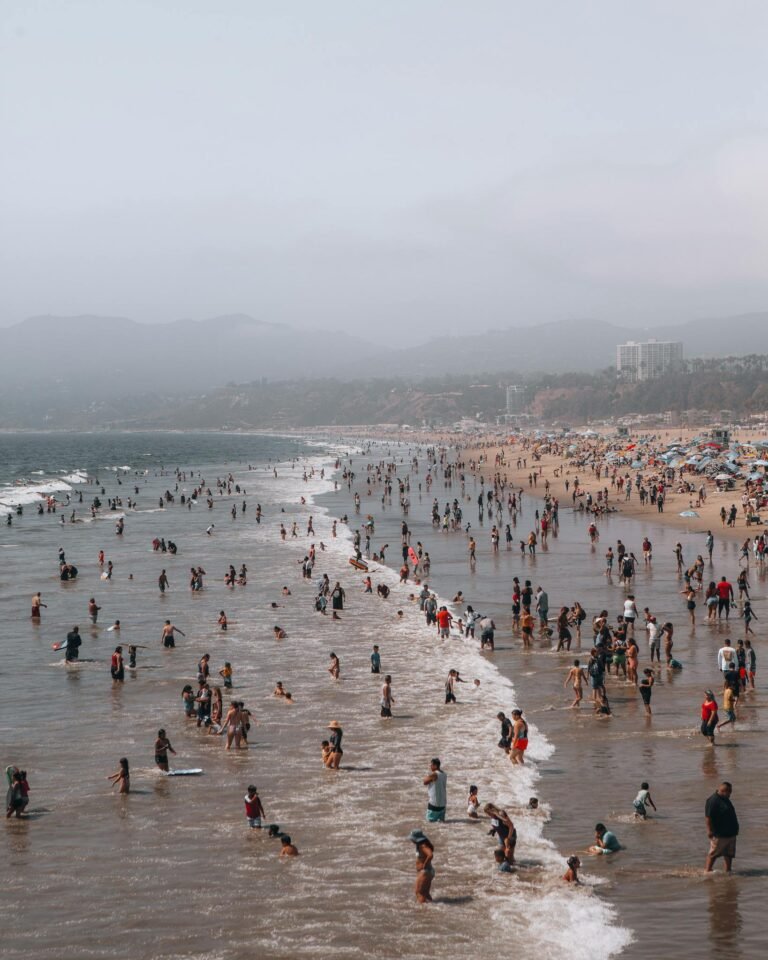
<point>59,645</point>
<point>193,772</point>
<point>358,564</point>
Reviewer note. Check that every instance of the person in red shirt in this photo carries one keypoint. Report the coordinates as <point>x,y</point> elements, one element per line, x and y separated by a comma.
<point>724,597</point>
<point>117,668</point>
<point>254,811</point>
<point>709,716</point>
<point>444,621</point>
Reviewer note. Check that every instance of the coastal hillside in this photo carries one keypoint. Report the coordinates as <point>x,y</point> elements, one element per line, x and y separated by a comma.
<point>575,398</point>
<point>97,360</point>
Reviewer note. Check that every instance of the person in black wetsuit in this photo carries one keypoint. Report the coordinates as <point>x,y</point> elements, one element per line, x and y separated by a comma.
<point>74,642</point>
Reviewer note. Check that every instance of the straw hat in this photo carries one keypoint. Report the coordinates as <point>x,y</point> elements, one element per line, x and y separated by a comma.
<point>334,725</point>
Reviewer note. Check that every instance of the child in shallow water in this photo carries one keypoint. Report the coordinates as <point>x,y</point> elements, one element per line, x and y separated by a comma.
<point>642,800</point>
<point>473,803</point>
<point>571,875</point>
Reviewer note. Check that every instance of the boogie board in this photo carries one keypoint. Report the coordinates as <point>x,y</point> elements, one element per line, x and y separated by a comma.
<point>193,772</point>
<point>59,645</point>
<point>358,564</point>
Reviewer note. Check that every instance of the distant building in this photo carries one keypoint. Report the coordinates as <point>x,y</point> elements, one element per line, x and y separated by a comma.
<point>636,362</point>
<point>517,399</point>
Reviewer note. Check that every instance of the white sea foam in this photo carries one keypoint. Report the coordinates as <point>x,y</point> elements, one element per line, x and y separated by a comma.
<point>541,912</point>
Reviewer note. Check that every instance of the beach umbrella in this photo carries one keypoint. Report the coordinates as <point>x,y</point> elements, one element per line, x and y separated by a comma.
<point>723,476</point>
<point>760,463</point>
<point>689,513</point>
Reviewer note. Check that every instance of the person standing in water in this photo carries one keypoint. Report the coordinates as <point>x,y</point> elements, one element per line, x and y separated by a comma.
<point>74,642</point>
<point>117,666</point>
<point>162,746</point>
<point>436,782</point>
<point>519,738</point>
<point>425,872</point>
<point>122,778</point>
<point>576,677</point>
<point>386,698</point>
<point>722,827</point>
<point>37,602</point>
<point>335,753</point>
<point>167,637</point>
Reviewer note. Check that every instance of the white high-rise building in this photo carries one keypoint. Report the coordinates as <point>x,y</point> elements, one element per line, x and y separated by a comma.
<point>517,398</point>
<point>648,361</point>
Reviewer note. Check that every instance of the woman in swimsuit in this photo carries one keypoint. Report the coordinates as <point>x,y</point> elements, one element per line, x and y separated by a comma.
<point>162,746</point>
<point>563,633</point>
<point>632,660</point>
<point>667,632</point>
<point>231,725</point>
<point>425,872</point>
<point>217,708</point>
<point>519,737</point>
<point>122,778</point>
<point>335,743</point>
<point>578,616</point>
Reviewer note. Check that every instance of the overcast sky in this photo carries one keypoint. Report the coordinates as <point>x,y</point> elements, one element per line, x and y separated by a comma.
<point>396,168</point>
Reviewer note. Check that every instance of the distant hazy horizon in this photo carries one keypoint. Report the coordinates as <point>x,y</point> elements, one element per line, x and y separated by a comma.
<point>396,171</point>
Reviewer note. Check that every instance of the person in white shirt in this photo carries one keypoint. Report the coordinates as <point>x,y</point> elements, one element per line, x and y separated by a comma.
<point>726,657</point>
<point>630,615</point>
<point>654,643</point>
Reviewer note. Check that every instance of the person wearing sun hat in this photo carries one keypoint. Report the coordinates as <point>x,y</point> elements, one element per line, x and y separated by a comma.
<point>425,872</point>
<point>335,741</point>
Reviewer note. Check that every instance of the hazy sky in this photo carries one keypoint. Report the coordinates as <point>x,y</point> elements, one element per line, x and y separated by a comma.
<point>385,167</point>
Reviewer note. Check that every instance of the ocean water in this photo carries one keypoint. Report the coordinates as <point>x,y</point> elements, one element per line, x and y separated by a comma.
<point>656,884</point>
<point>172,870</point>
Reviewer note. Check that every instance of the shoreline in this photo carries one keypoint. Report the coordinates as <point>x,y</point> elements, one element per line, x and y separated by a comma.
<point>671,739</point>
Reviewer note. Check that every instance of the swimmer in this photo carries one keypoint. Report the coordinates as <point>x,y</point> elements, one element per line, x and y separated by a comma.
<point>278,691</point>
<point>279,633</point>
<point>571,875</point>
<point>288,849</point>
